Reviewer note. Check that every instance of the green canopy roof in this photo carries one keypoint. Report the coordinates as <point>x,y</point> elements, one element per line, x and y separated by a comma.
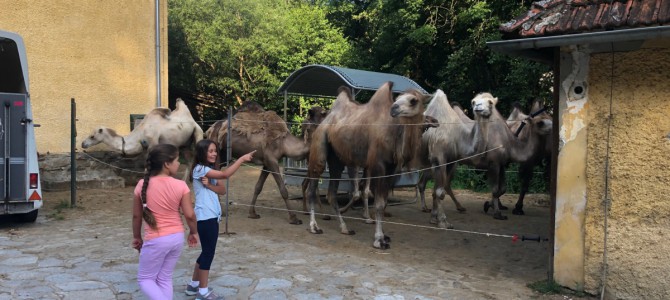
<point>323,81</point>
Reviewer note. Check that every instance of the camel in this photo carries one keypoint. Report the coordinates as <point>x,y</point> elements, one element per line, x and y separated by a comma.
<point>159,126</point>
<point>264,131</point>
<point>440,147</point>
<point>500,147</point>
<point>381,136</point>
<point>514,122</point>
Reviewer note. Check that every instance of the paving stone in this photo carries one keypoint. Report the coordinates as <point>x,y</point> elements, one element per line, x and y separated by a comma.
<point>317,296</point>
<point>98,294</point>
<point>272,283</point>
<point>63,278</point>
<point>50,262</point>
<point>80,285</point>
<point>19,260</point>
<point>389,297</point>
<point>233,280</point>
<point>268,295</point>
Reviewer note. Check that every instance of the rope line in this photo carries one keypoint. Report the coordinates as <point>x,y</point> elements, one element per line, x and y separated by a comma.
<point>108,164</point>
<point>374,177</point>
<point>488,234</point>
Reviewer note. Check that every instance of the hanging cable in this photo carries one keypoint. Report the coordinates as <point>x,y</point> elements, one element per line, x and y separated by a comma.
<point>607,176</point>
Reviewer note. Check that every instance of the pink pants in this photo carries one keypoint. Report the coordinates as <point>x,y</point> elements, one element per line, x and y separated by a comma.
<point>158,258</point>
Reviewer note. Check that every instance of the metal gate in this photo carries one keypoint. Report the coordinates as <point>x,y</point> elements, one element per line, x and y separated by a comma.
<point>13,140</point>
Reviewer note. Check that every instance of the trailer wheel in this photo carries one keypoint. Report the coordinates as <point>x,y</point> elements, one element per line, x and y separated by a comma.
<point>27,217</point>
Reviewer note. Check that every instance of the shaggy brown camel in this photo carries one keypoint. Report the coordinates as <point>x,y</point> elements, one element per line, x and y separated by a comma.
<point>381,135</point>
<point>514,121</point>
<point>160,125</point>
<point>500,147</point>
<point>264,131</point>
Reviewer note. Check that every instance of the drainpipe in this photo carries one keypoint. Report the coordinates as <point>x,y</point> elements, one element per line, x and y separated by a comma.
<point>158,54</point>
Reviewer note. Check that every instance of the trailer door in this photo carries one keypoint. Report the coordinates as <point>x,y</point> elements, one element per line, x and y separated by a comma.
<point>13,147</point>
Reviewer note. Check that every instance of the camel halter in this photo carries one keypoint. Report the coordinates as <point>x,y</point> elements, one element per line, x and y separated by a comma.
<point>523,123</point>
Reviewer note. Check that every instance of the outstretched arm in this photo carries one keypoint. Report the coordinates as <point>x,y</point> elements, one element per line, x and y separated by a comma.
<point>215,174</point>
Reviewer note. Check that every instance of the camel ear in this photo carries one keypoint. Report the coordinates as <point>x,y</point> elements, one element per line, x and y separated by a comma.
<point>310,113</point>
<point>325,112</point>
<point>100,130</point>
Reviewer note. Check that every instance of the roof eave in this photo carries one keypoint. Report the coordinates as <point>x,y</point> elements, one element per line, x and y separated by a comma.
<point>535,48</point>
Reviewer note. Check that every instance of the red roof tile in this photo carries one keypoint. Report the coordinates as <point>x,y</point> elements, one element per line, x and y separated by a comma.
<point>558,17</point>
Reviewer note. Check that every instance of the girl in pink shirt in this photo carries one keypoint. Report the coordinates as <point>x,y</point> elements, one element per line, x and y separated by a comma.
<point>158,198</point>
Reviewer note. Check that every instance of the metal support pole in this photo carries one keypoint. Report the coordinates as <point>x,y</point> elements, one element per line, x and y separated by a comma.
<point>73,154</point>
<point>228,155</point>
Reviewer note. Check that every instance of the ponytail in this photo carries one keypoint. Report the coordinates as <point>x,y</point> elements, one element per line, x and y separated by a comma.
<point>147,215</point>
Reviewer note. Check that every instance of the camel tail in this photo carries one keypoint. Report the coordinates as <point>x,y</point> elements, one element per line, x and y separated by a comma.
<point>197,133</point>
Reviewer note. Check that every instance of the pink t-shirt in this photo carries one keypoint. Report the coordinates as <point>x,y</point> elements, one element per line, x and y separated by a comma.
<point>164,195</point>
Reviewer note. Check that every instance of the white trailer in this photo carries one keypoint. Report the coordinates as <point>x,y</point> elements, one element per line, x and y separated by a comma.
<point>19,172</point>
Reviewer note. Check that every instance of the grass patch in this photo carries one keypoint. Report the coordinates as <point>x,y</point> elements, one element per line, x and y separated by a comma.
<point>546,287</point>
<point>58,214</point>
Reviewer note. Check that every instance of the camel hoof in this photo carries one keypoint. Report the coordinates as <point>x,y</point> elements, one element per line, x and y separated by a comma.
<point>316,231</point>
<point>446,225</point>
<point>350,232</point>
<point>326,218</point>
<point>295,222</point>
<point>499,216</point>
<point>486,207</point>
<point>369,221</point>
<point>502,207</point>
<point>461,209</point>
<point>426,210</point>
<point>254,216</point>
<point>387,215</point>
<point>433,221</point>
<point>387,239</point>
<point>518,211</point>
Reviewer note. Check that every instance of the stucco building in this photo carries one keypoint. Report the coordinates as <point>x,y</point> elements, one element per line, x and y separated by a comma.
<point>110,56</point>
<point>612,99</point>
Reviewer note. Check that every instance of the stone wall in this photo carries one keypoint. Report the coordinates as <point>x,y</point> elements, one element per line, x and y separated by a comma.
<point>99,169</point>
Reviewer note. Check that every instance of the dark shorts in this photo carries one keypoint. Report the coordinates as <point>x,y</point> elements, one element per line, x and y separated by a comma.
<point>208,230</point>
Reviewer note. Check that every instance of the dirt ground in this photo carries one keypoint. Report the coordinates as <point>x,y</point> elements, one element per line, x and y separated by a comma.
<point>420,259</point>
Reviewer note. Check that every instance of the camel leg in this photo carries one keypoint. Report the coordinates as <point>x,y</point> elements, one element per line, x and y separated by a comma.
<point>312,190</point>
<point>421,189</point>
<point>273,166</point>
<point>440,175</point>
<point>382,187</point>
<point>496,178</point>
<point>257,191</point>
<point>366,198</point>
<point>525,176</point>
<point>335,170</point>
<point>355,183</point>
<point>188,157</point>
<point>451,171</point>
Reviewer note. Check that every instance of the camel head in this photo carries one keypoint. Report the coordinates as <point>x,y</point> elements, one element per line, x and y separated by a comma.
<point>97,136</point>
<point>315,116</point>
<point>483,104</point>
<point>409,104</point>
<point>542,121</point>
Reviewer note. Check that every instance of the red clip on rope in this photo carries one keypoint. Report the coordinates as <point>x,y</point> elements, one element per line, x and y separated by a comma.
<point>515,238</point>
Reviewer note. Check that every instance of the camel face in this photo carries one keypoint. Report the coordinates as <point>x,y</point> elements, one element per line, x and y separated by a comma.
<point>407,105</point>
<point>95,138</point>
<point>483,104</point>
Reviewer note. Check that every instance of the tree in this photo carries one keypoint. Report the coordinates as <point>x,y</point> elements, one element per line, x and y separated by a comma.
<point>243,50</point>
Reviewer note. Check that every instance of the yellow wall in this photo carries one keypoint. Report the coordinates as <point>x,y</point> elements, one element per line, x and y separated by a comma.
<point>102,53</point>
<point>638,241</point>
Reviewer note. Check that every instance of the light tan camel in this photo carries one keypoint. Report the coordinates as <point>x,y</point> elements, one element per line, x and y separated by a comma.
<point>541,154</point>
<point>500,146</point>
<point>381,136</point>
<point>159,126</point>
<point>264,131</point>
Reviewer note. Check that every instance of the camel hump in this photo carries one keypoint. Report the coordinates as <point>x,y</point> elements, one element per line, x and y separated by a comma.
<point>347,90</point>
<point>456,105</point>
<point>163,112</point>
<point>517,105</point>
<point>180,104</point>
<point>251,106</point>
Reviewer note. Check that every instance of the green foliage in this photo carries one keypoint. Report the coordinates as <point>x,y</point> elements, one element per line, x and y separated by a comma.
<point>242,50</point>
<point>468,178</point>
<point>546,287</point>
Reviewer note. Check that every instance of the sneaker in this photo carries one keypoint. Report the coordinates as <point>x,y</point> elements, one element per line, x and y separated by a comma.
<point>192,291</point>
<point>210,296</point>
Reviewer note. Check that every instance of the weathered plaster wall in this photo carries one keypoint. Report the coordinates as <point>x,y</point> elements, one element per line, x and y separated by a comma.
<point>571,172</point>
<point>102,53</point>
<point>638,241</point>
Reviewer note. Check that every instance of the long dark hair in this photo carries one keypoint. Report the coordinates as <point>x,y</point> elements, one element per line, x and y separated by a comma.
<point>200,157</point>
<point>156,159</point>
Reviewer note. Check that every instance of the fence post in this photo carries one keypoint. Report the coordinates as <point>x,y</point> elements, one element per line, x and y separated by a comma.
<point>228,154</point>
<point>73,154</point>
